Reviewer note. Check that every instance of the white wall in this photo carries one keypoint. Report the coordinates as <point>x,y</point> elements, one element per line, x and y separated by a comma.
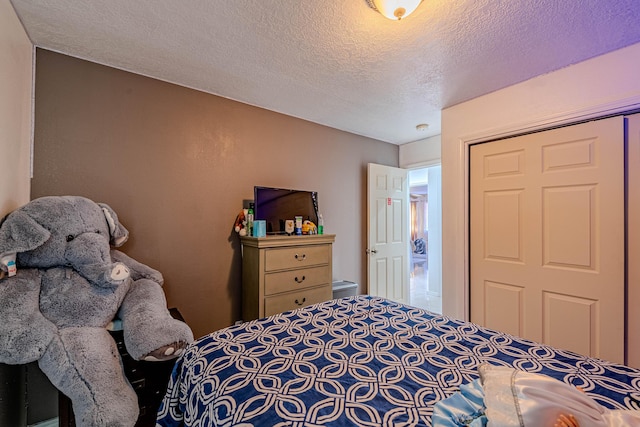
<point>434,219</point>
<point>603,85</point>
<point>16,71</point>
<point>425,152</point>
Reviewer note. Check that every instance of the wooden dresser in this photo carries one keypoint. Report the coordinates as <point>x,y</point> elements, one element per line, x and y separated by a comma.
<point>281,273</point>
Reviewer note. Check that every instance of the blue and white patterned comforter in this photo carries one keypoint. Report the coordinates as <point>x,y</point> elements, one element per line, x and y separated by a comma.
<point>361,361</point>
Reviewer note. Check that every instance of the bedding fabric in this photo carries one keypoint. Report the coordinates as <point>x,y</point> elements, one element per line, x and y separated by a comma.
<point>362,361</point>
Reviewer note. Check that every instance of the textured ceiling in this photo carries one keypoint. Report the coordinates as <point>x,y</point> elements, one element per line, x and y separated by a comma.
<point>337,62</point>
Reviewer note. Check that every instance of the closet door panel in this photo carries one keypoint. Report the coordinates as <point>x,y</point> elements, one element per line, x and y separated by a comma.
<point>547,237</point>
<point>633,229</point>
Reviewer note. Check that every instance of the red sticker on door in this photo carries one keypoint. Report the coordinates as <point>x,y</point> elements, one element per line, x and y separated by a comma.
<point>389,201</point>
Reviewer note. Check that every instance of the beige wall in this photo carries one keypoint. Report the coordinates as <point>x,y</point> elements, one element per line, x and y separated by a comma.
<point>176,165</point>
<point>15,110</point>
<point>422,153</point>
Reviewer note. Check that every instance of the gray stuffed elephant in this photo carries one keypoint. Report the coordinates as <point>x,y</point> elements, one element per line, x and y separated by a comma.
<point>63,284</point>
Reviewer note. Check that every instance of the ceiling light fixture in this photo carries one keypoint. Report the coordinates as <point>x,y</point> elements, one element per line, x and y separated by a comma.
<point>394,9</point>
<point>422,127</point>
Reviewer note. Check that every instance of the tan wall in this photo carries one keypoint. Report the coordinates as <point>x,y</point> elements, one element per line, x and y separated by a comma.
<point>16,65</point>
<point>176,165</point>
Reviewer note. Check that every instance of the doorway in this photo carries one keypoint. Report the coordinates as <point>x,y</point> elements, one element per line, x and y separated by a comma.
<point>425,275</point>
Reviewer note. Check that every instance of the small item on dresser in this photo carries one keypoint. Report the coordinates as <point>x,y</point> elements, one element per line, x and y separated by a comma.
<point>320,224</point>
<point>288,227</point>
<point>308,227</point>
<point>298,228</point>
<point>250,220</point>
<point>240,226</point>
<point>259,228</point>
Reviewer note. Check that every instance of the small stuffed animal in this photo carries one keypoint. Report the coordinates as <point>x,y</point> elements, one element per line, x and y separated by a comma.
<point>66,286</point>
<point>308,227</point>
<point>240,225</point>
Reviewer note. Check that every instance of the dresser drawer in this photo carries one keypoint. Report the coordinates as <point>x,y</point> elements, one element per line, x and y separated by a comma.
<point>298,257</point>
<point>291,280</point>
<point>292,300</point>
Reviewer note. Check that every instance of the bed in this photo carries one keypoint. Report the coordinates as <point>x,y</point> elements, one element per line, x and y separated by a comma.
<point>363,361</point>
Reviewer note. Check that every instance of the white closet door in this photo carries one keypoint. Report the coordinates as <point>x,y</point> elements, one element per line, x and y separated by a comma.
<point>633,248</point>
<point>547,237</point>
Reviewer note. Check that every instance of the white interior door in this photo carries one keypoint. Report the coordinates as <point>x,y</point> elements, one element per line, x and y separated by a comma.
<point>547,237</point>
<point>388,232</point>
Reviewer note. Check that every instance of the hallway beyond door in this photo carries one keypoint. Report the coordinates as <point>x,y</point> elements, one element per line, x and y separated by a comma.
<point>425,236</point>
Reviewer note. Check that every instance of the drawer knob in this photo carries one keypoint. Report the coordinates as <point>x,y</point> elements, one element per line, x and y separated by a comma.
<point>301,258</point>
<point>139,384</point>
<point>300,280</point>
<point>300,303</point>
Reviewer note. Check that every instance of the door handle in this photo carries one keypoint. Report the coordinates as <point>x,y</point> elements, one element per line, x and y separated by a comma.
<point>371,251</point>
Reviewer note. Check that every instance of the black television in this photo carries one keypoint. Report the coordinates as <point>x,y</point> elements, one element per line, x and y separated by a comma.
<point>276,205</point>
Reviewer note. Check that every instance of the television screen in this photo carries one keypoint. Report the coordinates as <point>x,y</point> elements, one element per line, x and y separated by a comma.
<point>275,205</point>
